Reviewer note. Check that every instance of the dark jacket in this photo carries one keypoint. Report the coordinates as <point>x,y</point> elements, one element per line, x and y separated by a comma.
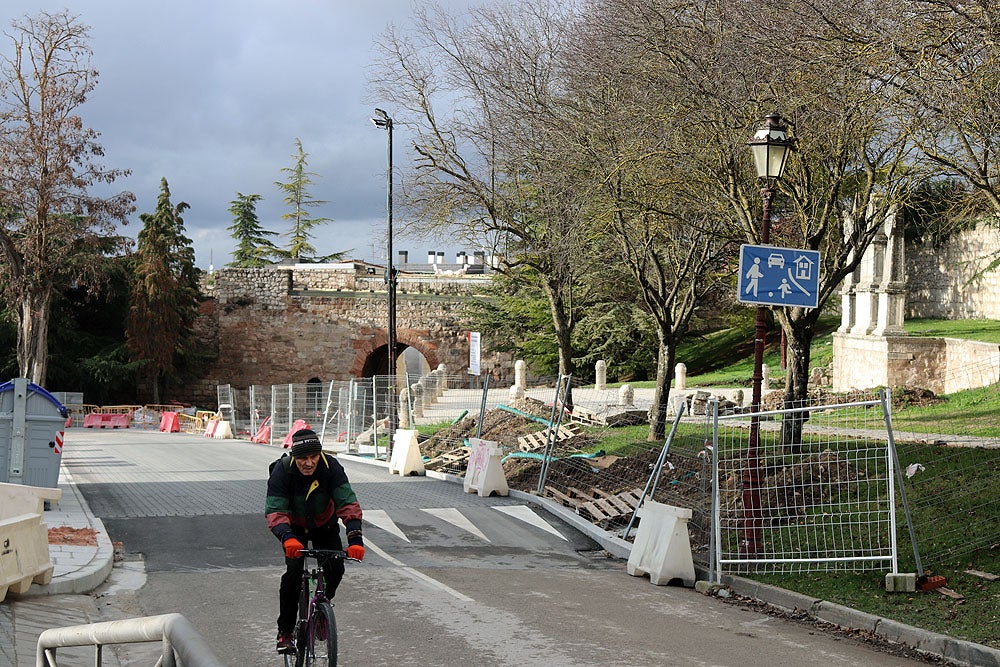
<point>311,502</point>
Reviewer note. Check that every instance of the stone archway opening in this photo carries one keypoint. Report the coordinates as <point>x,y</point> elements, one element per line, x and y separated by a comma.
<point>377,361</point>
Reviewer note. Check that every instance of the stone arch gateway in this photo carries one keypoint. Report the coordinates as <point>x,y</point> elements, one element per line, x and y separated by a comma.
<point>291,324</point>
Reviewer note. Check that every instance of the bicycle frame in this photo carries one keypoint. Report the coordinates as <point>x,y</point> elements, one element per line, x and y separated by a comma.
<point>308,602</point>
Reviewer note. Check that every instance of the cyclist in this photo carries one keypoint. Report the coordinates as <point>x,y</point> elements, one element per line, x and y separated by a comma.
<point>307,492</point>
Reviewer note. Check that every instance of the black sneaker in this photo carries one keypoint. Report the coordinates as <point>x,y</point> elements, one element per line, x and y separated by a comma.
<point>285,643</point>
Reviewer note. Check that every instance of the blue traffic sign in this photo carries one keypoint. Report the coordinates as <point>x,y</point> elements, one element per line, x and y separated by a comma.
<point>778,276</point>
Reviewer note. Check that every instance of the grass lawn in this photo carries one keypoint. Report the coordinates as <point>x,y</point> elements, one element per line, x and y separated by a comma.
<point>724,358</point>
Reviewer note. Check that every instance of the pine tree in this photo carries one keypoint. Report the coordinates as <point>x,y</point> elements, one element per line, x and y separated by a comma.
<point>253,245</point>
<point>297,196</point>
<point>165,292</point>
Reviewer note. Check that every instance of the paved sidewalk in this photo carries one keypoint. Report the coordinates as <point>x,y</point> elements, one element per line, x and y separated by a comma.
<point>82,568</point>
<point>78,568</point>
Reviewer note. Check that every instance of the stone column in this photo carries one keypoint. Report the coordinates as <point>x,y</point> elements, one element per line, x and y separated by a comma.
<point>848,297</point>
<point>404,408</point>
<point>866,297</point>
<point>601,373</point>
<point>626,395</point>
<point>430,392</point>
<point>680,376</point>
<point>417,390</point>
<point>892,288</point>
<point>521,374</point>
<point>443,378</point>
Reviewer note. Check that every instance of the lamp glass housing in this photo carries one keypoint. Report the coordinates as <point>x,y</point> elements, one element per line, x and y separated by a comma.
<point>771,146</point>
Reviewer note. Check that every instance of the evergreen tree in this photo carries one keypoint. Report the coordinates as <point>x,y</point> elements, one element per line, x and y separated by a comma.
<point>297,196</point>
<point>165,292</point>
<point>253,245</point>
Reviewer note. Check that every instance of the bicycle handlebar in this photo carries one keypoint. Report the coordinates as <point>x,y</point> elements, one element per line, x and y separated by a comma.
<point>327,554</point>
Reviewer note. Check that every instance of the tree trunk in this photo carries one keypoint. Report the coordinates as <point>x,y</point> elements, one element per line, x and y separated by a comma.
<point>799,337</point>
<point>665,357</point>
<point>563,323</point>
<point>33,334</point>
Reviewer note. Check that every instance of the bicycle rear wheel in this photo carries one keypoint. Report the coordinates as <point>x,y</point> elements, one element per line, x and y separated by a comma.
<point>322,648</point>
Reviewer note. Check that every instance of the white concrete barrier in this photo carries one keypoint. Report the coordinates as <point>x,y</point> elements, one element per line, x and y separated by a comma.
<point>223,431</point>
<point>662,548</point>
<point>485,474</point>
<point>406,459</point>
<point>24,537</point>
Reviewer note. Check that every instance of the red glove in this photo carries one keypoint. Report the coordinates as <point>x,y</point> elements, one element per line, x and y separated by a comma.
<point>292,547</point>
<point>356,551</point>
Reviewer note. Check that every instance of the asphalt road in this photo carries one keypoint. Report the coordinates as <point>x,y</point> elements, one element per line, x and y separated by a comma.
<point>449,578</point>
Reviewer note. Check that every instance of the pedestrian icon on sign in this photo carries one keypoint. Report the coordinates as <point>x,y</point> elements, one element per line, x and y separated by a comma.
<point>753,276</point>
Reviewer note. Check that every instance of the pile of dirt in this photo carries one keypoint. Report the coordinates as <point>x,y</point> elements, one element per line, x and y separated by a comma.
<point>503,425</point>
<point>86,537</point>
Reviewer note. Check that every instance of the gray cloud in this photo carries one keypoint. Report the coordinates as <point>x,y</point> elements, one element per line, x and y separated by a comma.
<point>211,95</point>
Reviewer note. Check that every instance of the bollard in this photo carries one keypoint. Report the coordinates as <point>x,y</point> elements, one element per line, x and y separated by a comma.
<point>601,375</point>
<point>626,395</point>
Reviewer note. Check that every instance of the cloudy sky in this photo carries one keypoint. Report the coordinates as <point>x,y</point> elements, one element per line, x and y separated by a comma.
<point>211,95</point>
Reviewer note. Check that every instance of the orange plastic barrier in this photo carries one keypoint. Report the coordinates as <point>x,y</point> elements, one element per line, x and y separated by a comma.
<point>169,423</point>
<point>263,435</point>
<point>297,425</point>
<point>96,420</point>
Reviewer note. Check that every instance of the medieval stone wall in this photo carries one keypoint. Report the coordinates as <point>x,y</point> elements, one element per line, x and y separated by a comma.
<point>950,281</point>
<point>291,324</point>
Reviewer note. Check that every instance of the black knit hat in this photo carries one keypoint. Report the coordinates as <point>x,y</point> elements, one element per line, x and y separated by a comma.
<point>305,442</point>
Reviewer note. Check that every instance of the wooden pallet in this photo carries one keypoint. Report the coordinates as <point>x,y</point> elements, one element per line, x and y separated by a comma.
<point>535,441</point>
<point>456,459</point>
<point>608,508</point>
<point>599,506</point>
<point>585,416</point>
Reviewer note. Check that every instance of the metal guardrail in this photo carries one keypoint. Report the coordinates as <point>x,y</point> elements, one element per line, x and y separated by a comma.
<point>182,645</point>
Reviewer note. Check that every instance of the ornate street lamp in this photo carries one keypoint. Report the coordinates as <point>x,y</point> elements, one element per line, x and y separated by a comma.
<point>771,147</point>
<point>382,119</point>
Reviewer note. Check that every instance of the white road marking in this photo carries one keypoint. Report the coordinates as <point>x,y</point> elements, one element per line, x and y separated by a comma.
<point>419,576</point>
<point>380,519</point>
<point>528,515</point>
<point>454,517</point>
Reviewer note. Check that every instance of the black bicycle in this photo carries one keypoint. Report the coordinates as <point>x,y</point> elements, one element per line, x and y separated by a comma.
<point>315,633</point>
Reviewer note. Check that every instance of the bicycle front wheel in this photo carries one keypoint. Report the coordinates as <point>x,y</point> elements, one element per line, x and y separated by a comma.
<point>322,649</point>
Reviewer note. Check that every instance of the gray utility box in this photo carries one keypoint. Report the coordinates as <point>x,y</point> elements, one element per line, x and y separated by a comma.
<point>31,433</point>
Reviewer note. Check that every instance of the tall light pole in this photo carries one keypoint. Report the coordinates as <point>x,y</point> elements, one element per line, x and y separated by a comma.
<point>382,119</point>
<point>771,147</point>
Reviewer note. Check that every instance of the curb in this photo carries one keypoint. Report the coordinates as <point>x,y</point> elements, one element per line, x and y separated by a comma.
<point>957,650</point>
<point>91,575</point>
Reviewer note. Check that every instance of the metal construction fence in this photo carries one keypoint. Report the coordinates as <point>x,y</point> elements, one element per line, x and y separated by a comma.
<point>814,498</point>
<point>832,500</point>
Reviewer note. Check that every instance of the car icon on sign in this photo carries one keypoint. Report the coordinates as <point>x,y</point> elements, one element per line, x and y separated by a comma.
<point>777,260</point>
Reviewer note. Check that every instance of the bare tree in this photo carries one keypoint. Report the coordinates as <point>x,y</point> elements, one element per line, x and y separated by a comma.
<point>716,68</point>
<point>480,95</point>
<point>633,161</point>
<point>49,161</point>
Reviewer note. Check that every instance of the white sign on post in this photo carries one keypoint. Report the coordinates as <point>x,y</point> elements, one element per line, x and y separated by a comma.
<point>473,353</point>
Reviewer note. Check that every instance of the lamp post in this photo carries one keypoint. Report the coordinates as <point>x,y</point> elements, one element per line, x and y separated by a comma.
<point>382,119</point>
<point>771,147</point>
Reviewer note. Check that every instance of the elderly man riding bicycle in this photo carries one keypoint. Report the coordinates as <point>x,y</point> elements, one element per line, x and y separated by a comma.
<point>307,492</point>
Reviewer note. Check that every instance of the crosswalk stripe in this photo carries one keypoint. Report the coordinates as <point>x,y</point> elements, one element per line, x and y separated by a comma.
<point>420,576</point>
<point>380,519</point>
<point>454,517</point>
<point>528,515</point>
